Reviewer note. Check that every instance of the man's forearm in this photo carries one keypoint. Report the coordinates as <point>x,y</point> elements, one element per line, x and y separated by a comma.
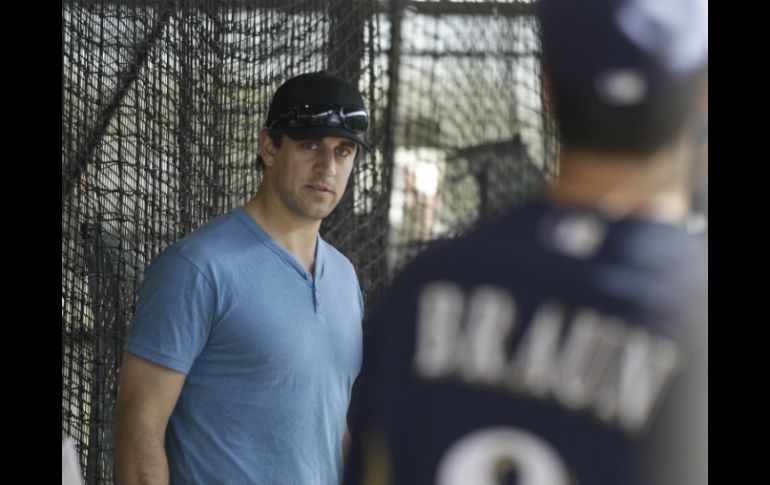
<point>140,457</point>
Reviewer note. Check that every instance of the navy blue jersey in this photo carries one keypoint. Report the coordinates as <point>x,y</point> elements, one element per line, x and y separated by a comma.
<point>551,347</point>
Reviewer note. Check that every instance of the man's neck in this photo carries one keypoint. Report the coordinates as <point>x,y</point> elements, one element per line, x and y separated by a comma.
<point>653,187</point>
<point>296,234</point>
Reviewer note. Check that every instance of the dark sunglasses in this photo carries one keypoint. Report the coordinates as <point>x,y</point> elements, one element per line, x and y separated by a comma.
<point>322,114</point>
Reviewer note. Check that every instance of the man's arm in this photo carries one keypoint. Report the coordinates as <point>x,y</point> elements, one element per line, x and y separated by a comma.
<point>146,397</point>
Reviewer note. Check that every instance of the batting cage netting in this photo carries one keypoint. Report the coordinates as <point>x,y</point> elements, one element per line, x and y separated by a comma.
<point>468,133</point>
<point>162,103</point>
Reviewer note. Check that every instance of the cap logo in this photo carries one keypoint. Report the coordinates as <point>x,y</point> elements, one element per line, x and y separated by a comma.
<point>621,87</point>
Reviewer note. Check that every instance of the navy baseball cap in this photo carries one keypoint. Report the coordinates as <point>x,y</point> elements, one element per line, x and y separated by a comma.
<point>623,53</point>
<point>319,89</point>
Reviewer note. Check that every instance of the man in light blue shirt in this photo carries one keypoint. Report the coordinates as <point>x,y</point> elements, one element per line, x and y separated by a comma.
<point>246,338</point>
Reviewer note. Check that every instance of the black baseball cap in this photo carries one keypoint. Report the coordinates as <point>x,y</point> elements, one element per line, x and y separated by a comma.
<point>316,88</point>
<point>623,53</point>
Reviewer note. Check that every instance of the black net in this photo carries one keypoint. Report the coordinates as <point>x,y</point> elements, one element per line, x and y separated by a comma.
<point>470,136</point>
<point>162,104</point>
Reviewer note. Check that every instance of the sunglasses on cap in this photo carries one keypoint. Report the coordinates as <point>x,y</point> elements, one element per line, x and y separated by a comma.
<point>308,115</point>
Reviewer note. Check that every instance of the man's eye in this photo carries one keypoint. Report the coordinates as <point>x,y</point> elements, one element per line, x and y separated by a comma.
<point>308,145</point>
<point>343,152</point>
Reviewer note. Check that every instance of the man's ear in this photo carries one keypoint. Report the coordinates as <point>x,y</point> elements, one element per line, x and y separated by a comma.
<point>267,148</point>
<point>703,100</point>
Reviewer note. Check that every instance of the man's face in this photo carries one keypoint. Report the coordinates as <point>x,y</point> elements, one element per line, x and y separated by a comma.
<point>309,176</point>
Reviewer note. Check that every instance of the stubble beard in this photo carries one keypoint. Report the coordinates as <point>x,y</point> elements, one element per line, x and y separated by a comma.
<point>306,206</point>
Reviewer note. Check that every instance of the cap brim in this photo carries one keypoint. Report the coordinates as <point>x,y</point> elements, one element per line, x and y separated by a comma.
<point>322,131</point>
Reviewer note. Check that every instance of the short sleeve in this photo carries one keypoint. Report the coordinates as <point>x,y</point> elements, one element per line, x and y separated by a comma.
<point>174,314</point>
